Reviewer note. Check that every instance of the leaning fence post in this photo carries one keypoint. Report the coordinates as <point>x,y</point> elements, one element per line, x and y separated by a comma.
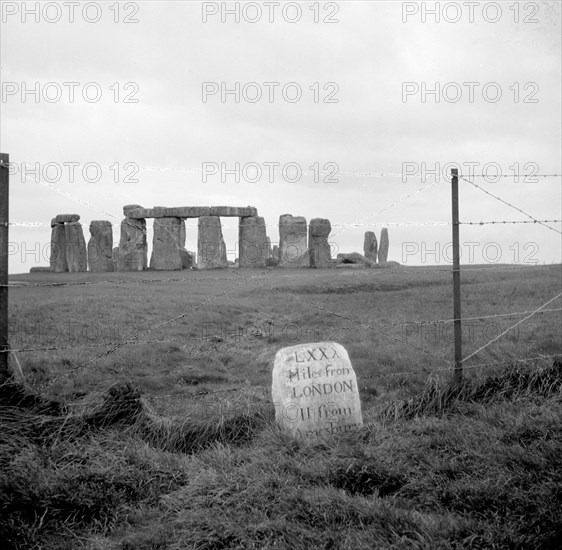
<point>457,376</point>
<point>4,219</point>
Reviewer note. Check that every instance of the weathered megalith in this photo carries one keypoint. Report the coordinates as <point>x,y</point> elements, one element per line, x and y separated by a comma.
<point>354,258</point>
<point>252,242</point>
<point>370,246</point>
<point>76,255</point>
<point>166,244</point>
<point>293,248</point>
<point>211,250</point>
<point>100,246</point>
<point>132,254</point>
<point>57,261</point>
<point>275,254</point>
<point>318,246</point>
<point>383,248</point>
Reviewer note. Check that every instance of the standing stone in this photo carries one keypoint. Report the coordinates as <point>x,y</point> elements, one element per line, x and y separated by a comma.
<point>383,248</point>
<point>275,254</point>
<point>166,244</point>
<point>293,249</point>
<point>183,234</point>
<point>370,246</point>
<point>315,391</point>
<point>58,262</point>
<point>76,255</point>
<point>318,246</point>
<point>100,252</point>
<point>269,250</point>
<point>132,245</point>
<point>252,242</point>
<point>211,250</point>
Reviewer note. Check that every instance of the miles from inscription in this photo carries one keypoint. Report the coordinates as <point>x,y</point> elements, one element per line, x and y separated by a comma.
<point>309,374</point>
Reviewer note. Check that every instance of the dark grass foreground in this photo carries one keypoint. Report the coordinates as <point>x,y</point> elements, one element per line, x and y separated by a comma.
<point>477,466</point>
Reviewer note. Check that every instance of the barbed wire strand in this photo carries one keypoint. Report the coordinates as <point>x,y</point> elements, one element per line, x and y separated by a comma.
<point>511,205</point>
<point>510,328</point>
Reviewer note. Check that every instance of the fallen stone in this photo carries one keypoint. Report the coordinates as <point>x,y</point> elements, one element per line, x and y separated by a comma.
<point>132,254</point>
<point>100,251</point>
<point>66,218</point>
<point>318,247</point>
<point>370,246</point>
<point>76,255</point>
<point>314,390</point>
<point>40,269</point>
<point>293,248</point>
<point>57,260</point>
<point>383,248</point>
<point>211,250</point>
<point>355,258</point>
<point>252,242</point>
<point>166,245</point>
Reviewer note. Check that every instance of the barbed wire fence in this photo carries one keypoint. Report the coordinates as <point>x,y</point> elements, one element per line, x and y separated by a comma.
<point>142,337</point>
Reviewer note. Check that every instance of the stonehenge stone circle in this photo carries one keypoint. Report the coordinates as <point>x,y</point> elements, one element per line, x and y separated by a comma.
<point>299,245</point>
<point>293,248</point>
<point>132,246</point>
<point>166,244</point>
<point>211,250</point>
<point>370,246</point>
<point>252,242</point>
<point>318,246</point>
<point>76,255</point>
<point>383,247</point>
<point>100,246</point>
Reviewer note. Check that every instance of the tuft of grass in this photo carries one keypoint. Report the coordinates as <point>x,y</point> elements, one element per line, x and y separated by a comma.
<point>439,396</point>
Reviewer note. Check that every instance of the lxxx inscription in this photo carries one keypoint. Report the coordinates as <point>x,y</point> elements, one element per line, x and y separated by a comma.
<point>315,391</point>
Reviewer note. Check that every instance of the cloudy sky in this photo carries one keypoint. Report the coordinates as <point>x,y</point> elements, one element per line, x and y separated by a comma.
<point>148,111</point>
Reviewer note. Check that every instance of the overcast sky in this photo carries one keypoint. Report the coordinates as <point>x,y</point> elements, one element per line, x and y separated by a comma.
<point>364,61</point>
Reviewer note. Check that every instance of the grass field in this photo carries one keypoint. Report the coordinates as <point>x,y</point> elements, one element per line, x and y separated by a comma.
<point>160,432</point>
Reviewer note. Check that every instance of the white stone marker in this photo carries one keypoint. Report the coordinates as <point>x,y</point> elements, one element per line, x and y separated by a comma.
<point>315,391</point>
